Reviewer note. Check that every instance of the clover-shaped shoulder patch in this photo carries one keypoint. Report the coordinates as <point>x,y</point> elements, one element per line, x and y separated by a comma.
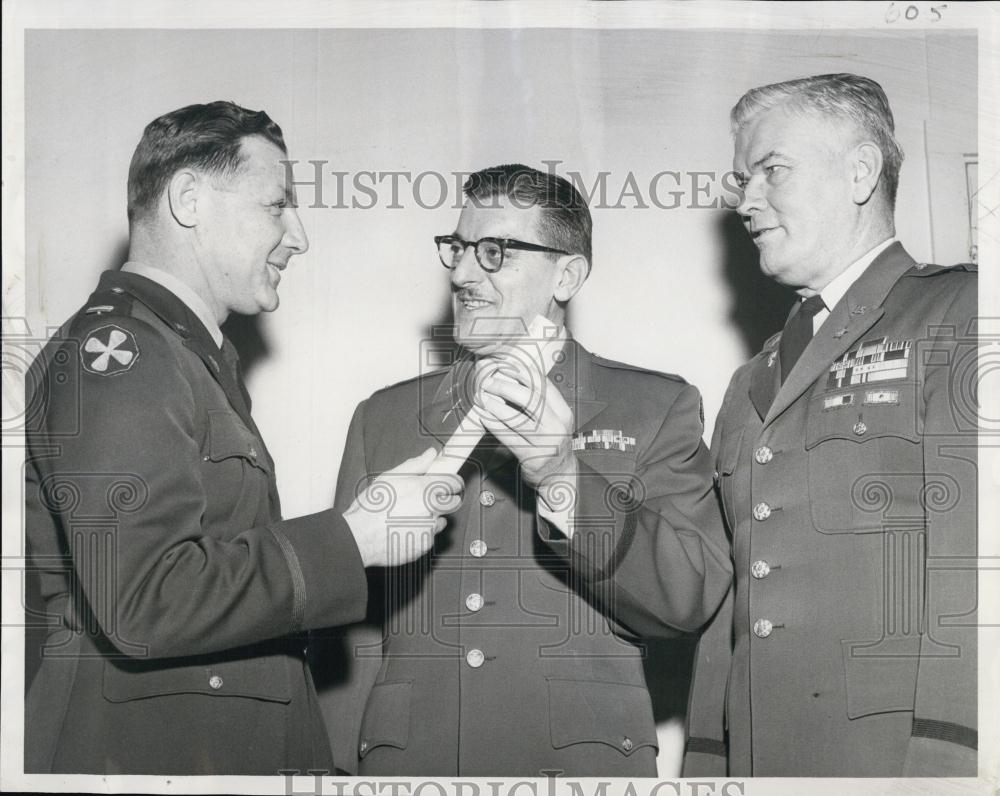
<point>109,350</point>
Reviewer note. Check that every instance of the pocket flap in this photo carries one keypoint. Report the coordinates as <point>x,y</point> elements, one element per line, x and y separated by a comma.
<point>387,717</point>
<point>228,438</point>
<point>263,678</point>
<point>595,711</point>
<point>864,412</point>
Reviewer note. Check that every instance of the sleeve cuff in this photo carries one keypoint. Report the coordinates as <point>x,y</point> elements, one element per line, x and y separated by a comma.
<point>330,585</point>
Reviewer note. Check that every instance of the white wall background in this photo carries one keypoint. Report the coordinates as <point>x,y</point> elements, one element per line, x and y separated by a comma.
<point>673,290</point>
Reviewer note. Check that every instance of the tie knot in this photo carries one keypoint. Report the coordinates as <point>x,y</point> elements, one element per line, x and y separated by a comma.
<point>811,306</point>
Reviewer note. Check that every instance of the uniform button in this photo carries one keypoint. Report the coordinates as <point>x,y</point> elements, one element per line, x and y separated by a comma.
<point>487,498</point>
<point>475,658</point>
<point>860,428</point>
<point>474,602</point>
<point>478,548</point>
<point>763,454</point>
<point>363,746</point>
<point>117,290</point>
<point>215,682</point>
<point>253,453</point>
<point>627,744</point>
<point>760,569</point>
<point>761,512</point>
<point>762,628</point>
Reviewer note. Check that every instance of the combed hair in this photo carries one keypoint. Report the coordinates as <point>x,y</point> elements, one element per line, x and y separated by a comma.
<point>204,137</point>
<point>565,221</point>
<point>840,96</point>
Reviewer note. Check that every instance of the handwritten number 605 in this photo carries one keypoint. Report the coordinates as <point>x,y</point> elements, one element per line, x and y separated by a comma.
<point>911,13</point>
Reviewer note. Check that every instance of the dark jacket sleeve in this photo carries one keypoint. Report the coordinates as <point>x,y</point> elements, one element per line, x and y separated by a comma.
<point>705,751</point>
<point>345,660</point>
<point>945,738</point>
<point>652,549</point>
<point>157,584</point>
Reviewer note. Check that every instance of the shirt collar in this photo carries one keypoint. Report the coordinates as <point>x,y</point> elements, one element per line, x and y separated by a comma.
<point>191,300</point>
<point>835,291</point>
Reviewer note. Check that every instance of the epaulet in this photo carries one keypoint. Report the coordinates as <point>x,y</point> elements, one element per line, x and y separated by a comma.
<point>431,375</point>
<point>929,269</point>
<point>103,305</point>
<point>610,363</point>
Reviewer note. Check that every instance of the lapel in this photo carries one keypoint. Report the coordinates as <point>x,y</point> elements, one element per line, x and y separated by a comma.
<point>856,313</point>
<point>175,313</point>
<point>765,377</point>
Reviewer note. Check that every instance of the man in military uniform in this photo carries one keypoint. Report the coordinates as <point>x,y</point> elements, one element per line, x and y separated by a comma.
<point>846,462</point>
<point>588,519</point>
<point>176,592</point>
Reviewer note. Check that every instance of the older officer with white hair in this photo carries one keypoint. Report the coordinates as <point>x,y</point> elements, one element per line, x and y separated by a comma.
<point>845,454</point>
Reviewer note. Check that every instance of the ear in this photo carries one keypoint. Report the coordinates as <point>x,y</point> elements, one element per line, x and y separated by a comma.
<point>182,196</point>
<point>866,162</point>
<point>571,273</point>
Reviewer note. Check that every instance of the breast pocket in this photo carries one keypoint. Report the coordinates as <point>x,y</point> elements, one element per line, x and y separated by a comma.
<point>865,458</point>
<point>237,472</point>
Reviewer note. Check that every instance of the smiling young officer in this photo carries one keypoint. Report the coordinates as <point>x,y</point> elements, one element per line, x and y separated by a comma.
<point>175,591</point>
<point>846,462</point>
<point>512,650</point>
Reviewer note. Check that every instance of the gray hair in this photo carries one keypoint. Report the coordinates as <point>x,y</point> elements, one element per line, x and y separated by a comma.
<point>842,96</point>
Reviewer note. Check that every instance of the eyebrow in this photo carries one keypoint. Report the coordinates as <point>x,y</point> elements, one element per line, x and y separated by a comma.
<point>773,153</point>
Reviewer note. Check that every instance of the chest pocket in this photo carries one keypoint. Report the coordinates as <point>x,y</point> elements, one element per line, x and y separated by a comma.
<point>865,457</point>
<point>236,466</point>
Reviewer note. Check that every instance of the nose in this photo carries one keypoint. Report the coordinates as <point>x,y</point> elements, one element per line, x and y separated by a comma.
<point>295,234</point>
<point>753,197</point>
<point>467,270</point>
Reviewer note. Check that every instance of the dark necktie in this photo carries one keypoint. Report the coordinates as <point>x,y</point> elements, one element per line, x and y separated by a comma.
<point>797,333</point>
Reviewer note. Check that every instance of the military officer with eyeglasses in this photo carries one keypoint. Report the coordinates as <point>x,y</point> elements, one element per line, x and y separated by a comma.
<point>588,521</point>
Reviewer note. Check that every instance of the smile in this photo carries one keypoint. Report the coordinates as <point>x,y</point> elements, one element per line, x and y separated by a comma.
<point>474,304</point>
<point>757,233</point>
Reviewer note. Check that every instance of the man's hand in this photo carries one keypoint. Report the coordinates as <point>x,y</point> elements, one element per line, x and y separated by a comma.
<point>395,519</point>
<point>525,411</point>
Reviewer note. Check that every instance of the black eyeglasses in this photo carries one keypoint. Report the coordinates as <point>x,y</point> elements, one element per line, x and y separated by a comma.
<point>489,251</point>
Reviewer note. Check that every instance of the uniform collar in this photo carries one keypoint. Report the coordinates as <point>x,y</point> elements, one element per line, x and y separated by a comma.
<point>835,291</point>
<point>189,297</point>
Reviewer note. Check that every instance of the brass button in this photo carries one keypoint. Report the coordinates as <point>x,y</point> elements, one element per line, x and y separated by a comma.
<point>762,628</point>
<point>363,747</point>
<point>761,512</point>
<point>760,569</point>
<point>117,290</point>
<point>215,682</point>
<point>475,658</point>
<point>763,454</point>
<point>478,548</point>
<point>860,428</point>
<point>627,744</point>
<point>474,602</point>
<point>487,498</point>
<point>253,453</point>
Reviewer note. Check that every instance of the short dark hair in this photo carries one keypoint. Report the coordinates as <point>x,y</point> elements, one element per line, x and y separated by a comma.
<point>205,137</point>
<point>839,96</point>
<point>565,218</point>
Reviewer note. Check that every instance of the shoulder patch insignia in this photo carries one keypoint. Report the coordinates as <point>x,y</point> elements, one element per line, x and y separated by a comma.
<point>109,350</point>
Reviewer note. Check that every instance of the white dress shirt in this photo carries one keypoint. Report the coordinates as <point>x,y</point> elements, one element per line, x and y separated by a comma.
<point>835,291</point>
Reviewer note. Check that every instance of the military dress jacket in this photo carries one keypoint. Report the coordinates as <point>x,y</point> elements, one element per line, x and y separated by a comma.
<point>176,596</point>
<point>509,650</point>
<point>848,647</point>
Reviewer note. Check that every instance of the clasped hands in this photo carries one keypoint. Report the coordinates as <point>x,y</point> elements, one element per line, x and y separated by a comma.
<point>395,519</point>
